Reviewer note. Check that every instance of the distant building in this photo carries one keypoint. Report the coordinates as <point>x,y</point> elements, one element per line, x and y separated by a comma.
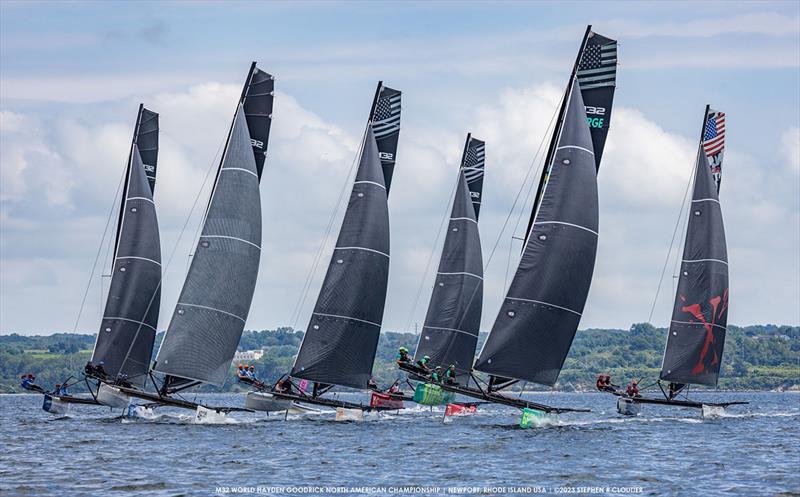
<point>248,355</point>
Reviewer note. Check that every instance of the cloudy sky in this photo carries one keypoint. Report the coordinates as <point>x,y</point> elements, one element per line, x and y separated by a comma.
<point>72,75</point>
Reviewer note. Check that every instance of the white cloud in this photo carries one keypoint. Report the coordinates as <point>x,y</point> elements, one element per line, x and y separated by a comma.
<point>790,146</point>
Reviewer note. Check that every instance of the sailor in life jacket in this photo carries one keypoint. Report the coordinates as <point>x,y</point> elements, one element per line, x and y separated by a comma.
<point>402,356</point>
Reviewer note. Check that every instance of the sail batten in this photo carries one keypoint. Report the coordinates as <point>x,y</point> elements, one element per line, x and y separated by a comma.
<point>696,339</point>
<point>452,322</point>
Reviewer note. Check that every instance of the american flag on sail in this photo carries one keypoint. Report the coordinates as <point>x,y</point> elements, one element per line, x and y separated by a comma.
<point>714,143</point>
<point>474,160</point>
<point>598,65</point>
<point>386,119</point>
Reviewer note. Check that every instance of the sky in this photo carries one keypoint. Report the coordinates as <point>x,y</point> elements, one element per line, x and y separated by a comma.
<point>73,73</point>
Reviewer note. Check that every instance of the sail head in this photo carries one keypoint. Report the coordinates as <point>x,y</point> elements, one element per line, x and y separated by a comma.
<point>597,77</point>
<point>386,128</point>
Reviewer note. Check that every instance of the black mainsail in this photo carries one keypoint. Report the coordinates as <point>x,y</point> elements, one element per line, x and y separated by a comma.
<point>212,309</point>
<point>124,343</point>
<point>696,338</point>
<point>342,336</point>
<point>450,333</point>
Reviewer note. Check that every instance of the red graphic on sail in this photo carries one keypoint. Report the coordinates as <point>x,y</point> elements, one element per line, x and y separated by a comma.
<point>717,313</point>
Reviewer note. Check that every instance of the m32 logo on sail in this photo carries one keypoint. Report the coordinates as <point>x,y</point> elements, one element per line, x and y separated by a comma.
<point>595,122</point>
<point>149,169</point>
<point>386,156</point>
<point>475,194</point>
<point>257,143</point>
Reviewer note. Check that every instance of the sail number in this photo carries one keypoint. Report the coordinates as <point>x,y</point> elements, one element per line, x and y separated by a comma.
<point>595,122</point>
<point>386,156</point>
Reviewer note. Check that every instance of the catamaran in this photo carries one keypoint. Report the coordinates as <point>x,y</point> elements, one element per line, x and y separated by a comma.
<point>449,336</point>
<point>693,352</point>
<point>340,342</point>
<point>537,321</point>
<point>124,342</point>
<point>212,308</point>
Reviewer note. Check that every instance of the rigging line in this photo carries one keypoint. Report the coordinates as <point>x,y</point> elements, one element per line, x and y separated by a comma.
<point>672,242</point>
<point>166,266</point>
<point>513,206</point>
<point>99,251</point>
<point>298,309</point>
<point>445,218</point>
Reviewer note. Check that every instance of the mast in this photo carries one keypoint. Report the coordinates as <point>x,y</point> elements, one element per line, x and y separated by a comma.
<point>212,309</point>
<point>125,340</point>
<point>696,339</point>
<point>452,323</point>
<point>342,336</point>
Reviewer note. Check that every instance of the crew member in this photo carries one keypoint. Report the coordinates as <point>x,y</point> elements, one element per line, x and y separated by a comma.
<point>372,384</point>
<point>240,373</point>
<point>633,389</point>
<point>610,386</point>
<point>395,388</point>
<point>424,364</point>
<point>450,375</point>
<point>27,381</point>
<point>436,376</point>
<point>283,386</point>
<point>57,390</point>
<point>600,384</point>
<point>252,373</point>
<point>402,356</point>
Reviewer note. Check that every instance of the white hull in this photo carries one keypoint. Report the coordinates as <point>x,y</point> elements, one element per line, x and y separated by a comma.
<point>112,397</point>
<point>628,407</point>
<point>54,406</point>
<point>140,412</point>
<point>266,402</point>
<point>344,414</point>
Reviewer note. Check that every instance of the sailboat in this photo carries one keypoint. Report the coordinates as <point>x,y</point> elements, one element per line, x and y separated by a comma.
<point>212,308</point>
<point>537,321</point>
<point>124,342</point>
<point>696,338</point>
<point>449,336</point>
<point>340,342</point>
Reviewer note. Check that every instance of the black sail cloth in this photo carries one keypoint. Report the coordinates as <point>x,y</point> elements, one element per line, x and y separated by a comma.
<point>386,128</point>
<point>213,306</point>
<point>452,323</point>
<point>538,318</point>
<point>597,77</point>
<point>124,342</point>
<point>342,336</point>
<point>700,315</point>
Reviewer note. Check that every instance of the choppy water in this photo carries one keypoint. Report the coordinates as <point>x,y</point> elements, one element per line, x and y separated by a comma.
<point>753,450</point>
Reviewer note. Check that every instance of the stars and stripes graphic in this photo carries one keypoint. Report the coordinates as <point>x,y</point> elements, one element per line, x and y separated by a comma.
<point>714,143</point>
<point>714,134</point>
<point>386,119</point>
<point>474,160</point>
<point>598,65</point>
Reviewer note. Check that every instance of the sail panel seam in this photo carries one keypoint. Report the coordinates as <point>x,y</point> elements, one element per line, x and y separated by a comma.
<point>232,238</point>
<point>576,147</point>
<point>131,320</point>
<point>239,169</point>
<point>463,219</point>
<point>141,258</point>
<point>450,329</point>
<point>213,309</point>
<point>463,272</point>
<point>370,182</point>
<point>701,324</point>
<point>568,224</point>
<point>704,260</point>
<point>363,248</point>
<point>142,198</point>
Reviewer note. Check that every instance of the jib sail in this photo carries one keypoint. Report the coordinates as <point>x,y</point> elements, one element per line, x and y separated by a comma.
<point>125,341</point>
<point>213,306</point>
<point>450,333</point>
<point>700,315</point>
<point>342,336</point>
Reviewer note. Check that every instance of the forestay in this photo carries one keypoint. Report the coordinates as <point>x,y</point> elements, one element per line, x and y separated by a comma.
<point>124,342</point>
<point>700,314</point>
<point>450,333</point>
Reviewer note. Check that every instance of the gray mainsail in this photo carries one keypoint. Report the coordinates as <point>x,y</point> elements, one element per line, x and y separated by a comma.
<point>212,309</point>
<point>124,343</point>
<point>342,336</point>
<point>450,333</point>
<point>700,314</point>
<point>539,316</point>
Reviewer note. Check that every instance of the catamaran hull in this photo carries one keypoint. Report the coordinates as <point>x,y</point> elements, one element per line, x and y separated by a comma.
<point>112,397</point>
<point>628,407</point>
<point>54,405</point>
<point>266,402</point>
<point>140,412</point>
